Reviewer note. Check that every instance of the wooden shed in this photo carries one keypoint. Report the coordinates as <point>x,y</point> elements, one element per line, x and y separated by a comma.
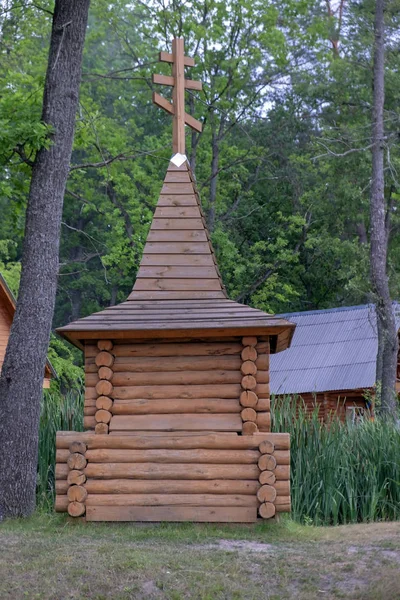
<point>7,310</point>
<point>331,364</point>
<point>177,403</point>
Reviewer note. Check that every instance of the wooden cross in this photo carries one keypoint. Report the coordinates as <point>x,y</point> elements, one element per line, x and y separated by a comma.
<point>179,84</point>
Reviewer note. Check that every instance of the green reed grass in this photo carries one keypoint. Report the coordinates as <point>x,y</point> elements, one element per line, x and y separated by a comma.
<point>59,413</point>
<point>340,473</point>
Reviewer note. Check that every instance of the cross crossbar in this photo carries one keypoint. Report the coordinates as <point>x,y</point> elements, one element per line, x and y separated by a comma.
<point>178,83</point>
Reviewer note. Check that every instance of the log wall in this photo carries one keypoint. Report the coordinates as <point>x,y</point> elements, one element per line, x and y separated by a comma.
<point>181,477</point>
<point>177,386</point>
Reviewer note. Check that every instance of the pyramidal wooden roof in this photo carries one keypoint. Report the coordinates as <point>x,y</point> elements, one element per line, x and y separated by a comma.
<point>178,259</point>
<point>178,291</point>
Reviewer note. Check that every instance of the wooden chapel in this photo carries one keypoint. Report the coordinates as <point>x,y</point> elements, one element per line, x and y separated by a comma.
<point>177,406</point>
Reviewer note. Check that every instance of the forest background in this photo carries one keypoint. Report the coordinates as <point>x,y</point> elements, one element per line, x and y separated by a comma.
<point>283,164</point>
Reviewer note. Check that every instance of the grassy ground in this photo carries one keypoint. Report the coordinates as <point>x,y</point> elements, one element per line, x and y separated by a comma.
<point>48,557</point>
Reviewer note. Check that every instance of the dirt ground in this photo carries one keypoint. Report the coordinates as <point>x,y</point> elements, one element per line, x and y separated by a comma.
<point>49,558</point>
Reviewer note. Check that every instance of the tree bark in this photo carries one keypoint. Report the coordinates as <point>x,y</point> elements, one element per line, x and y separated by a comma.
<point>23,368</point>
<point>387,333</point>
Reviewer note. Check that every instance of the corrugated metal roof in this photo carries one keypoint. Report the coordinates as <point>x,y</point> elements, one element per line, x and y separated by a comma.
<point>331,349</point>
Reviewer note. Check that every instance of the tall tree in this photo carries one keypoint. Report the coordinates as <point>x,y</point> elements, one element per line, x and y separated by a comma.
<point>379,216</point>
<point>23,368</point>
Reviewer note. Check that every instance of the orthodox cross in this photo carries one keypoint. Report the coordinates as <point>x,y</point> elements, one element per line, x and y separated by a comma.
<point>179,84</point>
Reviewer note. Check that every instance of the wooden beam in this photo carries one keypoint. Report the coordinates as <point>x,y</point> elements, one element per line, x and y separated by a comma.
<point>163,103</point>
<point>178,96</point>
<point>167,57</point>
<point>189,84</point>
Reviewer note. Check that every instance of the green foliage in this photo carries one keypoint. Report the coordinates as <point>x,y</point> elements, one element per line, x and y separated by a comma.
<point>59,413</point>
<point>341,473</point>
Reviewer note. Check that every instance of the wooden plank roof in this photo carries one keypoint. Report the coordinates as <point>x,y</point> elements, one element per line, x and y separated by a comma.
<point>178,291</point>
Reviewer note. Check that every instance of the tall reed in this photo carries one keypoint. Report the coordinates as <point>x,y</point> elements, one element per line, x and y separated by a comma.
<point>340,473</point>
<point>58,413</point>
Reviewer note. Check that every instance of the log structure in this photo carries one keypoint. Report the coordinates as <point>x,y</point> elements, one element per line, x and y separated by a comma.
<point>177,377</point>
<point>180,477</point>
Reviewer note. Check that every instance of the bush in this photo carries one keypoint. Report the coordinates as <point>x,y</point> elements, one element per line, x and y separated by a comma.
<point>340,473</point>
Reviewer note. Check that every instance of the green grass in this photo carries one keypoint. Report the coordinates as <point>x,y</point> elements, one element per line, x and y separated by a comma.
<point>341,473</point>
<point>59,413</point>
<point>50,557</point>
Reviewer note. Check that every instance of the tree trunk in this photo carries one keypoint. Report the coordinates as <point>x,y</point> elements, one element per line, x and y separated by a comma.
<point>23,368</point>
<point>387,334</point>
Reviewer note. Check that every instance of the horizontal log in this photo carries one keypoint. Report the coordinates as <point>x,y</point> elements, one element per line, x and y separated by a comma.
<point>105,345</point>
<point>263,405</point>
<point>76,509</point>
<point>282,504</point>
<point>249,341</point>
<point>266,447</point>
<point>188,422</point>
<point>262,376</point>
<point>105,373</point>
<point>176,349</point>
<point>249,428</point>
<point>90,392</point>
<point>267,510</point>
<point>282,457</point>
<point>168,486</point>
<point>89,411</point>
<point>104,359</point>
<point>262,362</point>
<point>263,348</point>
<point>103,416</point>
<point>248,353</point>
<point>77,446</point>
<point>61,503</point>
<point>263,421</point>
<point>77,493</point>
<point>267,478</point>
<point>104,403</point>
<point>248,367</point>
<point>204,514</point>
<point>266,493</point>
<point>89,422</point>
<point>76,461</point>
<point>248,382</point>
<point>282,487</point>
<point>262,390</point>
<point>171,500</point>
<point>61,487</point>
<point>248,457</point>
<point>248,414</point>
<point>89,402</point>
<point>248,399</point>
<point>101,428</point>
<point>266,462</point>
<point>153,364</point>
<point>170,471</point>
<point>129,378</point>
<point>62,455</point>
<point>175,406</point>
<point>61,471</point>
<point>229,390</point>
<point>282,472</point>
<point>135,441</point>
<point>104,387</point>
<point>75,477</point>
